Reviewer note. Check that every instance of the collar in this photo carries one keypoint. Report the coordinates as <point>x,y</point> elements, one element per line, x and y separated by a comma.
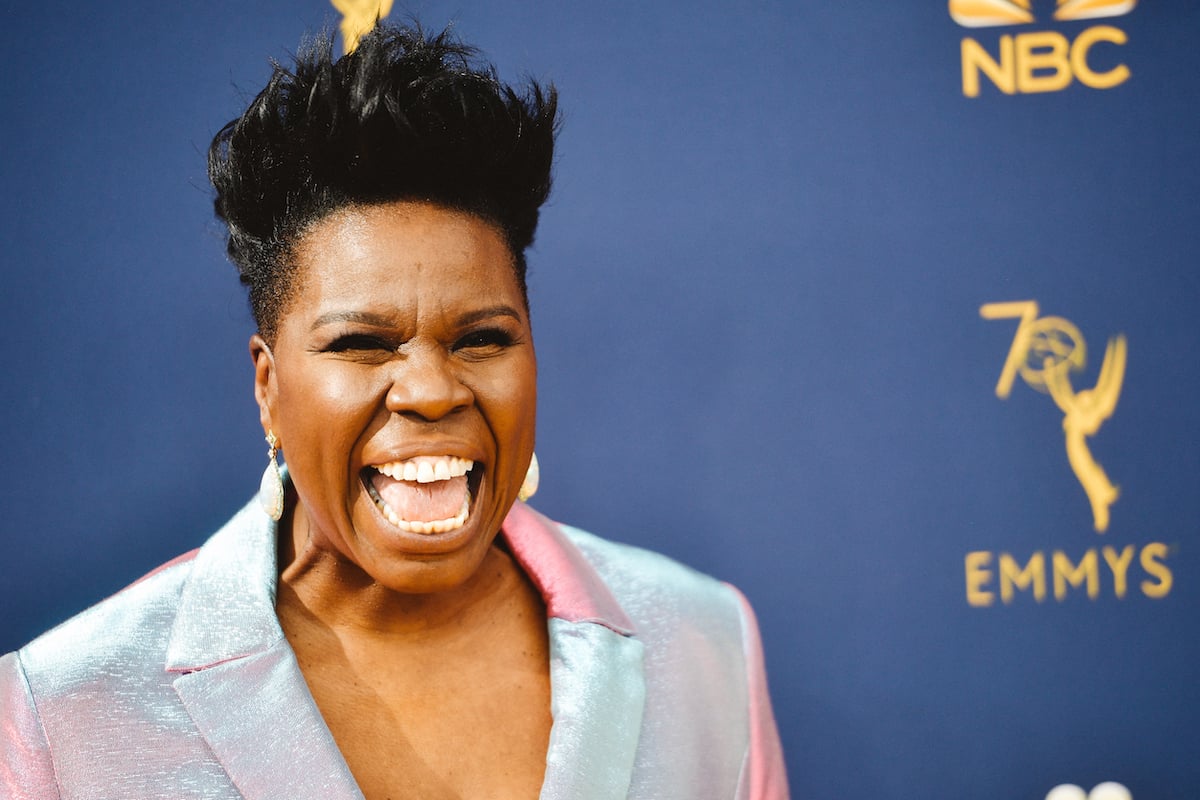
<point>569,584</point>
<point>227,605</point>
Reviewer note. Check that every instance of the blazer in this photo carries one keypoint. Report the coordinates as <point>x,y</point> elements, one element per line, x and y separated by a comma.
<point>184,686</point>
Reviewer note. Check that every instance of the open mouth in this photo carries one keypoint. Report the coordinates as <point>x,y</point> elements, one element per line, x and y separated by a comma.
<point>426,494</point>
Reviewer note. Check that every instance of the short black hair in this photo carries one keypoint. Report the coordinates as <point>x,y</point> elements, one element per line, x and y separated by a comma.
<point>405,116</point>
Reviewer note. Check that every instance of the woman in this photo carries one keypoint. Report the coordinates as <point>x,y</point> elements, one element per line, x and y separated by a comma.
<point>388,619</point>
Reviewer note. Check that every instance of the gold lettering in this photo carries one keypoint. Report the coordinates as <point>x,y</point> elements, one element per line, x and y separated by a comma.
<point>1027,310</point>
<point>1031,576</point>
<point>1079,55</point>
<point>1067,573</point>
<point>1013,577</point>
<point>978,576</point>
<point>1119,566</point>
<point>1152,558</point>
<point>975,59</point>
<point>1044,50</point>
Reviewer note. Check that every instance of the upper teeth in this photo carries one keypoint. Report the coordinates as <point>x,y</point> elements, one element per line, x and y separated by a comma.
<point>427,469</point>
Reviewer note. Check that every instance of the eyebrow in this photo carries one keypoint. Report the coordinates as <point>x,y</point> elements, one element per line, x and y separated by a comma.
<point>363,317</point>
<point>386,321</point>
<point>487,313</point>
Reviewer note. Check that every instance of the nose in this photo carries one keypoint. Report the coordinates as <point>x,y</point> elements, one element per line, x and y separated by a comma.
<point>425,385</point>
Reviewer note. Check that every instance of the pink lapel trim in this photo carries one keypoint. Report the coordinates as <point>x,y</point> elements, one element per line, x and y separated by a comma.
<point>179,559</point>
<point>569,584</point>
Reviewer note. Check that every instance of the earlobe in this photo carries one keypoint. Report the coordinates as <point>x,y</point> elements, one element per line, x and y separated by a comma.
<point>264,379</point>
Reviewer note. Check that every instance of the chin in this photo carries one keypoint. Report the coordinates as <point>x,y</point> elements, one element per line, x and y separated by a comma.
<point>408,562</point>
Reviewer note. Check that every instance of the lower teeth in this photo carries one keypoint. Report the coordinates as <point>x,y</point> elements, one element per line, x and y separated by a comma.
<point>418,526</point>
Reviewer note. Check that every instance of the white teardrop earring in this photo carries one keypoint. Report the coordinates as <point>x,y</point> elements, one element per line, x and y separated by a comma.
<point>529,486</point>
<point>270,491</point>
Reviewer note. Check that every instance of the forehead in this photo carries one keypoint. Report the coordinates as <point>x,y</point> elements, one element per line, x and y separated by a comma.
<point>399,254</point>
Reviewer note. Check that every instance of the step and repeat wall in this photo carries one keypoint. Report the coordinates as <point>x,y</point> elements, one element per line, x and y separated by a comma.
<point>887,313</point>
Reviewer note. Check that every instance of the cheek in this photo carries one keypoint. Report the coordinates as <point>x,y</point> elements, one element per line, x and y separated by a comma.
<point>325,411</point>
<point>510,398</point>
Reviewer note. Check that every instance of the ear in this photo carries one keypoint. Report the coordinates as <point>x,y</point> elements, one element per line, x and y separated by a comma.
<point>265,389</point>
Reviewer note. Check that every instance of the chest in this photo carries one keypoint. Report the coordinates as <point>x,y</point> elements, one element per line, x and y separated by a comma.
<point>464,717</point>
<point>478,738</point>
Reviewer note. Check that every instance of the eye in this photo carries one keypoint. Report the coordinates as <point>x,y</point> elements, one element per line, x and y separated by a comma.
<point>357,342</point>
<point>483,342</point>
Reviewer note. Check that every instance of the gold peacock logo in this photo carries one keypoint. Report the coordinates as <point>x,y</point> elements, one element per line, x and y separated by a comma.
<point>1045,351</point>
<point>990,13</point>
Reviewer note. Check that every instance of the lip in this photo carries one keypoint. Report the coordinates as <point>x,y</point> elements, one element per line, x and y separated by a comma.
<point>431,447</point>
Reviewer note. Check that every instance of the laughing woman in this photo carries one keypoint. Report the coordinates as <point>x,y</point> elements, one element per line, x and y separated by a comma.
<point>388,619</point>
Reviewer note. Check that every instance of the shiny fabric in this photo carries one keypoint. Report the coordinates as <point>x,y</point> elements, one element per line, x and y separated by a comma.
<point>184,686</point>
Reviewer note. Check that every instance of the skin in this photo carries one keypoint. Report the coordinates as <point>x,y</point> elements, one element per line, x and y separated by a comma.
<point>426,653</point>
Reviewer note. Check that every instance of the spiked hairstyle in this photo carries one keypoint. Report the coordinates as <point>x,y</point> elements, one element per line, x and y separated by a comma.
<point>405,116</point>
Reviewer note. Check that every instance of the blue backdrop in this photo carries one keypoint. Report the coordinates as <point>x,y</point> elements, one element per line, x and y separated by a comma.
<point>757,294</point>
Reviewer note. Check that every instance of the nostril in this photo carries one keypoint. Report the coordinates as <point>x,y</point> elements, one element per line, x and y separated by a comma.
<point>429,398</point>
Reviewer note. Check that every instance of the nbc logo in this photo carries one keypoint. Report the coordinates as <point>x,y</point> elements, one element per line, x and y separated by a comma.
<point>1040,61</point>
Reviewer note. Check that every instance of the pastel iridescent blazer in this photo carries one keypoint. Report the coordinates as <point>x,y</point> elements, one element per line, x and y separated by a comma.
<point>183,685</point>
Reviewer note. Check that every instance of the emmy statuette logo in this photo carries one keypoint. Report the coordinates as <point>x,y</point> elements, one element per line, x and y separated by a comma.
<point>1045,351</point>
<point>359,17</point>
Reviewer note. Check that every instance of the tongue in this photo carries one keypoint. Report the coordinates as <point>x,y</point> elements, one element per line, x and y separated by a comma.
<point>422,502</point>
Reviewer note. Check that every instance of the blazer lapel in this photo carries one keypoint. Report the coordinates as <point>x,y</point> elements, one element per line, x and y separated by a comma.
<point>262,724</point>
<point>598,693</point>
<point>597,681</point>
<point>238,677</point>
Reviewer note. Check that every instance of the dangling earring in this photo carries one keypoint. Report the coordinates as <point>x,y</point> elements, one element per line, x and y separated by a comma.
<point>529,486</point>
<point>270,491</point>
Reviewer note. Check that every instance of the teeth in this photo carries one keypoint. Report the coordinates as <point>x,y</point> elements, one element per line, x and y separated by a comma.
<point>426,469</point>
<point>419,526</point>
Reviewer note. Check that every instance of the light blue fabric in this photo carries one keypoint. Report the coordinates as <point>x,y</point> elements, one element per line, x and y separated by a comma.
<point>184,686</point>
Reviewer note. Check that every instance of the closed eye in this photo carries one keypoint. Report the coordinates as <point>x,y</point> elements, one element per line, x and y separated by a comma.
<point>484,342</point>
<point>357,342</point>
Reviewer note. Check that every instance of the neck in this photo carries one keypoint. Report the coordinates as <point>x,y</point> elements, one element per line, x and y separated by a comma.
<point>321,587</point>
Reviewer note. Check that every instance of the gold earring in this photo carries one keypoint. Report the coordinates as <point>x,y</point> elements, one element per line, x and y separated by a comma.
<point>270,491</point>
<point>529,486</point>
